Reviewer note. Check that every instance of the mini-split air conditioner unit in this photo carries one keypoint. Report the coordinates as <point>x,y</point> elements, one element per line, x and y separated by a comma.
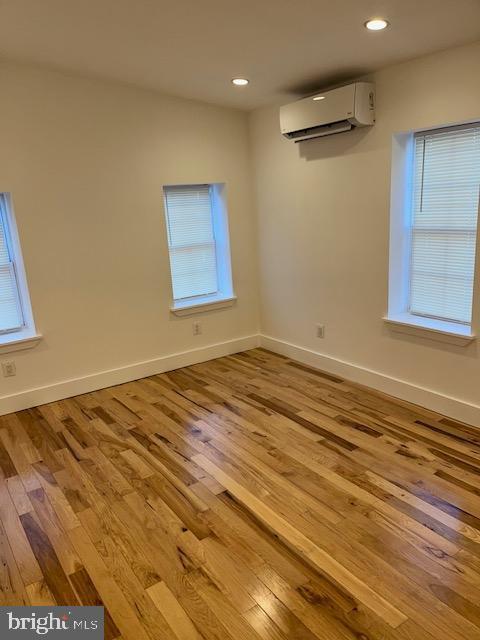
<point>324,114</point>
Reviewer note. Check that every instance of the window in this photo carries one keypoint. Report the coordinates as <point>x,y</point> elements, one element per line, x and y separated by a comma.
<point>16,322</point>
<point>439,227</point>
<point>198,245</point>
<point>444,223</point>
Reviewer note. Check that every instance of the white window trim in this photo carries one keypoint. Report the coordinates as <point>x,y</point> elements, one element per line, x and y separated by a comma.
<point>26,337</point>
<point>449,332</point>
<point>201,304</point>
<point>18,341</point>
<point>397,318</point>
<point>225,296</point>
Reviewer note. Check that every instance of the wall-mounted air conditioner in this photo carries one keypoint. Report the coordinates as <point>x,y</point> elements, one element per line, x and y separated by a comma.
<point>330,112</point>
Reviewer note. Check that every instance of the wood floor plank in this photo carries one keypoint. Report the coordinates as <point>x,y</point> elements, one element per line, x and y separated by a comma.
<point>172,611</point>
<point>22,551</point>
<point>52,570</point>
<point>12,589</point>
<point>88,596</point>
<point>122,613</point>
<point>304,547</point>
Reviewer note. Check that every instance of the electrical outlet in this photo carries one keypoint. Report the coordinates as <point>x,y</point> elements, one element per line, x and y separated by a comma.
<point>197,328</point>
<point>9,369</point>
<point>320,330</point>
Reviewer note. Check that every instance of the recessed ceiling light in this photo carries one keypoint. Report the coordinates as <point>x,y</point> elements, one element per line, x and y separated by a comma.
<point>319,98</point>
<point>240,82</point>
<point>377,24</point>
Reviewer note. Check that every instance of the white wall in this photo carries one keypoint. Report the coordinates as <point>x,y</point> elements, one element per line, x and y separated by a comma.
<point>323,224</point>
<point>85,162</point>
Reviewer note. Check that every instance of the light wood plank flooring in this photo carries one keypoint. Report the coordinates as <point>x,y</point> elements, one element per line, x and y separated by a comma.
<point>249,497</point>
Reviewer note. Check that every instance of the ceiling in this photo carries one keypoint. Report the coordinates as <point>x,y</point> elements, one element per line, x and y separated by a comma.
<point>193,48</point>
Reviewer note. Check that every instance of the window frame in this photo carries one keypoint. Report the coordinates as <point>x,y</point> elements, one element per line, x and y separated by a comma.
<point>5,225</point>
<point>224,296</point>
<point>24,336</point>
<point>399,317</point>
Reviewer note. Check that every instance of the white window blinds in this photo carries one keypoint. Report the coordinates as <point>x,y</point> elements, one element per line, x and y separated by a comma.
<point>10,310</point>
<point>191,241</point>
<point>444,223</point>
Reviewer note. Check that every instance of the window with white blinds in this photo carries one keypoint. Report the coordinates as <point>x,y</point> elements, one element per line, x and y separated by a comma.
<point>446,181</point>
<point>198,261</point>
<point>11,317</point>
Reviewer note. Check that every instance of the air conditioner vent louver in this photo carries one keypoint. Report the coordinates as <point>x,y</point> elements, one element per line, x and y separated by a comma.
<point>318,132</point>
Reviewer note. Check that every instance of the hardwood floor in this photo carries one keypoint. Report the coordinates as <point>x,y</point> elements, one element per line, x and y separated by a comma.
<point>249,497</point>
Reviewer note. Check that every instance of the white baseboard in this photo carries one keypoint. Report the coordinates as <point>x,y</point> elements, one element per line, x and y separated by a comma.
<point>447,405</point>
<point>102,379</point>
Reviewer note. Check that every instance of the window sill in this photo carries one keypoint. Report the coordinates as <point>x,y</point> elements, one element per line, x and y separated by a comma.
<point>191,307</point>
<point>19,341</point>
<point>440,330</point>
